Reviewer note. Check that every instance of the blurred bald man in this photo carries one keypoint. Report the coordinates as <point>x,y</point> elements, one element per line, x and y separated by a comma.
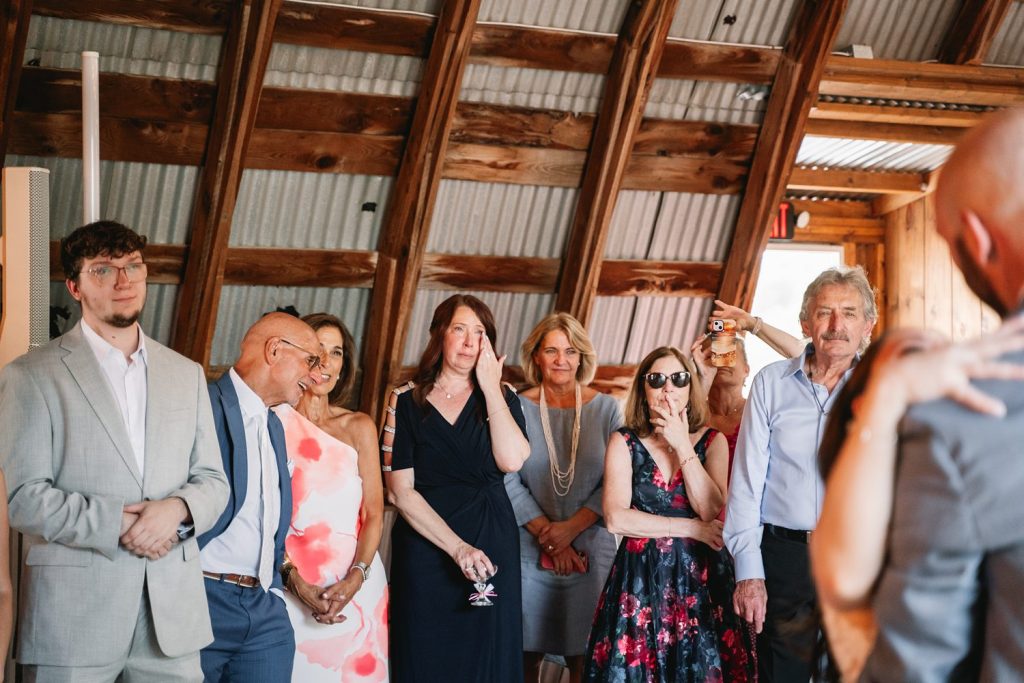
<point>948,602</point>
<point>242,554</point>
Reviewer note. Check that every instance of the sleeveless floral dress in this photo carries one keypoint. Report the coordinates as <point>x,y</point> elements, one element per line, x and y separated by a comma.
<point>666,611</point>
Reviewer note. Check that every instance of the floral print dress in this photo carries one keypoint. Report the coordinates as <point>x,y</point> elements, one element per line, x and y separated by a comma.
<point>666,610</point>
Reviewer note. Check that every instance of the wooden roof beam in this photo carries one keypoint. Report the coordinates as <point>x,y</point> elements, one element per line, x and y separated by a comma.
<point>207,16</point>
<point>890,202</point>
<point>243,64</point>
<point>14,15</point>
<point>411,205</point>
<point>970,35</point>
<point>637,54</point>
<point>853,181</point>
<point>886,79</point>
<point>884,132</point>
<point>899,115</point>
<point>793,93</point>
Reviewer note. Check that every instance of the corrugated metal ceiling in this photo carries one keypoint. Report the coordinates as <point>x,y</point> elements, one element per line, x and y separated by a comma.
<point>497,219</point>
<point>602,16</point>
<point>1007,47</point>
<point>536,88</point>
<point>671,226</point>
<point>154,199</point>
<point>625,329</point>
<point>241,306</point>
<point>316,68</point>
<point>871,155</point>
<point>309,210</point>
<point>423,6</point>
<point>897,29</point>
<point>672,98</point>
<point>746,22</point>
<point>58,43</point>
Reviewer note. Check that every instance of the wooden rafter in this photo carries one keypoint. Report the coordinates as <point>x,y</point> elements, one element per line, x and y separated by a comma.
<point>13,32</point>
<point>411,206</point>
<point>885,132</point>
<point>854,181</point>
<point>982,86</point>
<point>794,91</point>
<point>243,64</point>
<point>972,31</point>
<point>637,54</point>
<point>208,16</point>
<point>940,117</point>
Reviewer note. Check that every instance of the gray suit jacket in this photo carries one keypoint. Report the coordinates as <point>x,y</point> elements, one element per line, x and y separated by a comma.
<point>950,601</point>
<point>70,469</point>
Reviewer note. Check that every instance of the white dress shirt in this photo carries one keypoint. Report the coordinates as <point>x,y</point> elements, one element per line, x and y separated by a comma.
<point>127,379</point>
<point>238,549</point>
<point>775,478</point>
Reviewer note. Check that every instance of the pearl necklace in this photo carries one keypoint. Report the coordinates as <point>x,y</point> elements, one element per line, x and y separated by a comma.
<point>561,481</point>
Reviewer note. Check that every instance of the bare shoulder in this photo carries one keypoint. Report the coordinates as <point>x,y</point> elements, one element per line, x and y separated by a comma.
<point>357,423</point>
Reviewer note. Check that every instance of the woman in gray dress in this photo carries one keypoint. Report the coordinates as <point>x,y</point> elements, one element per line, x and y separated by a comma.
<point>566,550</point>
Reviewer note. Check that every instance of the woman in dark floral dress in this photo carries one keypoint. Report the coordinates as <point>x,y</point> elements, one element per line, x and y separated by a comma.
<point>666,611</point>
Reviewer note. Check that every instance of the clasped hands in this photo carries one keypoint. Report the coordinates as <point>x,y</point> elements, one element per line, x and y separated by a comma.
<point>150,528</point>
<point>326,603</point>
<point>555,539</point>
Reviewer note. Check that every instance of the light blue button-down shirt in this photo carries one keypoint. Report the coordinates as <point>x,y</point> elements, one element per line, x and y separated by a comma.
<point>775,477</point>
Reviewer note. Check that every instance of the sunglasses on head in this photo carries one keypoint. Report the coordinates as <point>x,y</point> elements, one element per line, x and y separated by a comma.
<point>656,380</point>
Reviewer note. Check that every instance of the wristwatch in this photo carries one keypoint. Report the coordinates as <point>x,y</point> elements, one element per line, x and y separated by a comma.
<point>286,570</point>
<point>363,568</point>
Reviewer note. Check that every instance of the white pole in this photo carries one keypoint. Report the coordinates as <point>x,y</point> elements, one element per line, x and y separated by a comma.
<point>90,137</point>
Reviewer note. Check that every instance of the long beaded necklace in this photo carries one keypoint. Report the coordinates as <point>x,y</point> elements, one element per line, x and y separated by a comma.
<point>561,481</point>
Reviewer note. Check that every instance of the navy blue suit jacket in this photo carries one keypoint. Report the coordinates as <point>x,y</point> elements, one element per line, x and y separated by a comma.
<point>227,416</point>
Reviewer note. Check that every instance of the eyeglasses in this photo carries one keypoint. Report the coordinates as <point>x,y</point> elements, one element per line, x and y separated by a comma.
<point>656,380</point>
<point>107,275</point>
<point>313,360</point>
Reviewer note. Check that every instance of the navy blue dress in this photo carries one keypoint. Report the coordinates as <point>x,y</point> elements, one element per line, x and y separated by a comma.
<point>436,635</point>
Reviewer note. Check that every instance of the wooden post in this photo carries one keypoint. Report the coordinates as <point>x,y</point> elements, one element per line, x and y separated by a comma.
<point>794,91</point>
<point>411,207</point>
<point>970,35</point>
<point>242,66</point>
<point>634,63</point>
<point>15,16</point>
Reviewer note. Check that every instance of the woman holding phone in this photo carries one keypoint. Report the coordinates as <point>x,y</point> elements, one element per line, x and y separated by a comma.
<point>566,550</point>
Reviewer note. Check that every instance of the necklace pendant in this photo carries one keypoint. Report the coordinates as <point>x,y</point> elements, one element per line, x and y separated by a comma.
<point>447,395</point>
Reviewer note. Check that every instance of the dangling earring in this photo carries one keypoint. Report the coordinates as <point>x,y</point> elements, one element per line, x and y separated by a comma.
<point>688,410</point>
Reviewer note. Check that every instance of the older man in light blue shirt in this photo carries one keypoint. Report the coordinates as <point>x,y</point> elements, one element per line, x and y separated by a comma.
<point>775,492</point>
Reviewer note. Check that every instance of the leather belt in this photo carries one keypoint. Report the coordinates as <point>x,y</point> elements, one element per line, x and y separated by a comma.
<point>237,579</point>
<point>787,534</point>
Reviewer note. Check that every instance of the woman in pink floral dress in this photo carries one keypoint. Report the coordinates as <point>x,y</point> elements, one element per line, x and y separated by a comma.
<point>337,592</point>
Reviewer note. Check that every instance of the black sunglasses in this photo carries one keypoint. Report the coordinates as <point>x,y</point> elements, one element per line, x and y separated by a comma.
<point>656,380</point>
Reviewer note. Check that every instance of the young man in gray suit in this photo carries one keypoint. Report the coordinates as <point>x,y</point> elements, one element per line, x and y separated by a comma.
<point>108,445</point>
<point>948,601</point>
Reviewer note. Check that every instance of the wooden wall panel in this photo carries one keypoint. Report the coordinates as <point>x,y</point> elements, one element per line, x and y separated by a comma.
<point>924,287</point>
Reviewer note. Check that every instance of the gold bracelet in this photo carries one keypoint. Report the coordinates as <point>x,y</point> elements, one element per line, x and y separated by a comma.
<point>686,461</point>
<point>498,410</point>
